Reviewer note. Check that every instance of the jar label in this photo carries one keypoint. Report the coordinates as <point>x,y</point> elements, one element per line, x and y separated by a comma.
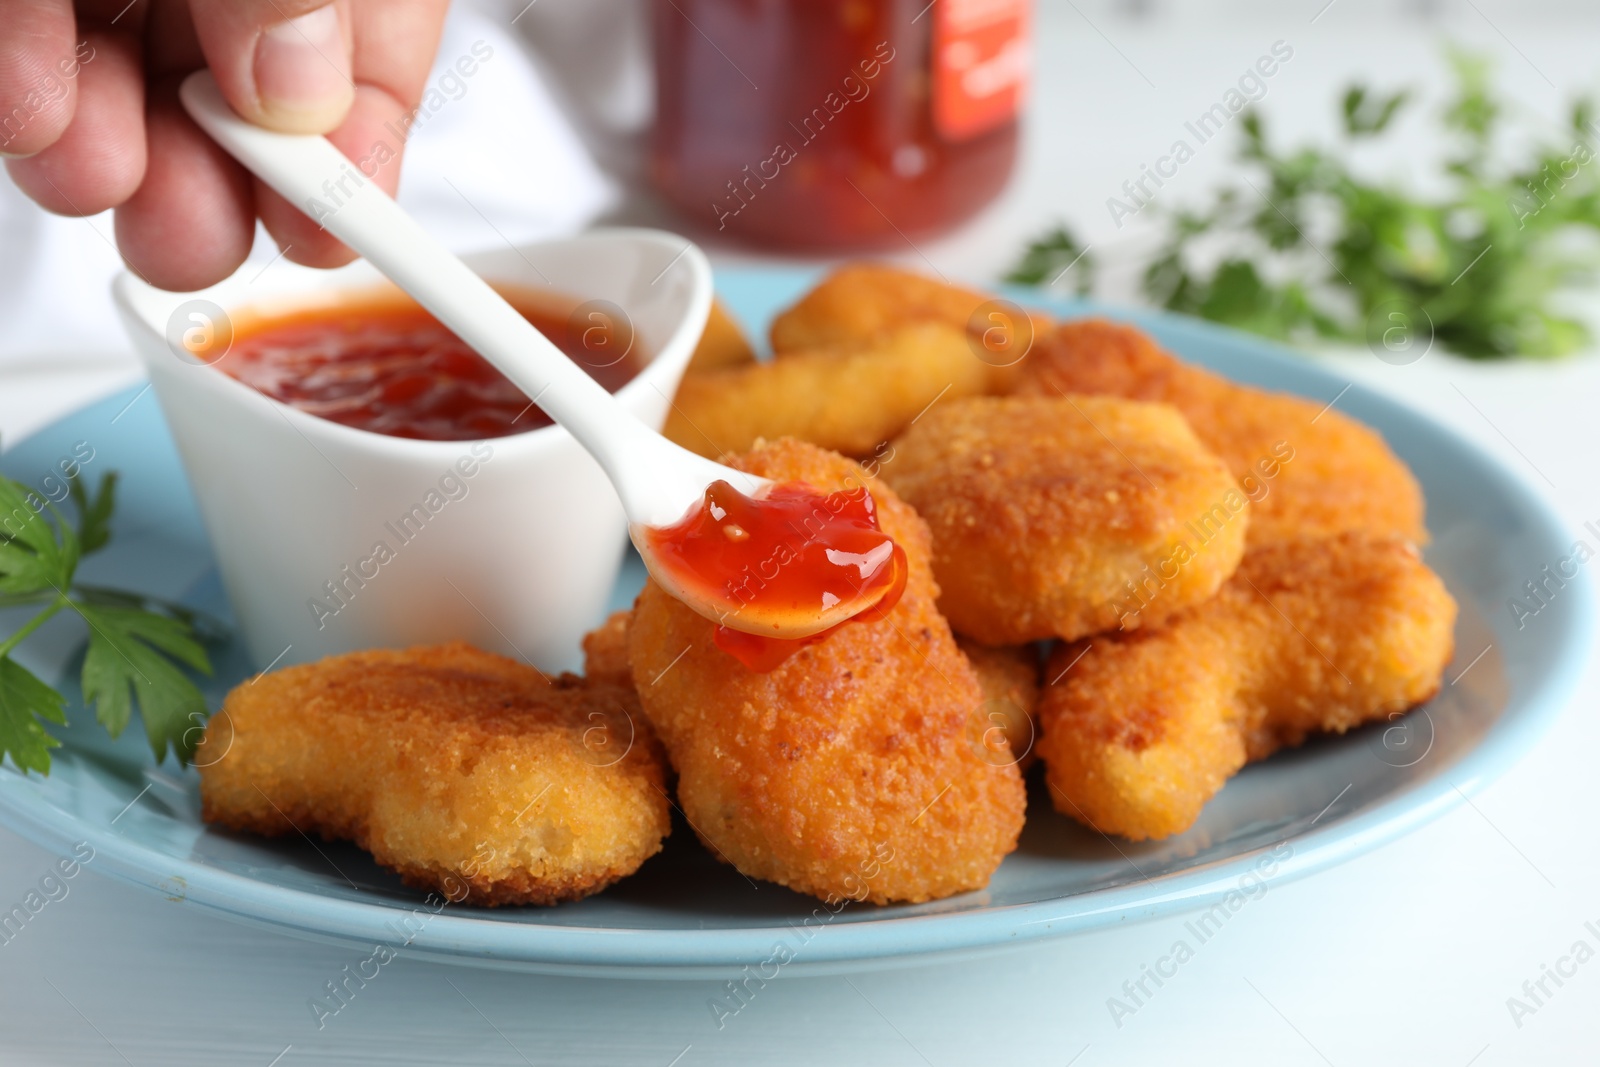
<point>981,64</point>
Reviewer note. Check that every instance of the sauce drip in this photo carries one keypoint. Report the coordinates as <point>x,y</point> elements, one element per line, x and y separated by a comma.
<point>791,555</point>
<point>384,364</point>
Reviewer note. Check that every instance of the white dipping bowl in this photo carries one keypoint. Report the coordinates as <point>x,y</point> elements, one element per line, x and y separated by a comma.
<point>331,539</point>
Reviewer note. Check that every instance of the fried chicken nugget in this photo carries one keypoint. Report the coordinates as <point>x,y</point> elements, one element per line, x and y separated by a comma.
<point>860,301</point>
<point>605,651</point>
<point>849,400</point>
<point>1311,634</point>
<point>850,771</point>
<point>1009,678</point>
<point>1065,516</point>
<point>722,343</point>
<point>1310,469</point>
<point>463,771</point>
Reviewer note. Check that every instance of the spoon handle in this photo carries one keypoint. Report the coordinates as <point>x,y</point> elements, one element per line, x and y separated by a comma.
<point>316,177</point>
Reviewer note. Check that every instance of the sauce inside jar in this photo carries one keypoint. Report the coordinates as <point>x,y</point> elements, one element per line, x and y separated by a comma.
<point>787,557</point>
<point>379,362</point>
<point>836,124</point>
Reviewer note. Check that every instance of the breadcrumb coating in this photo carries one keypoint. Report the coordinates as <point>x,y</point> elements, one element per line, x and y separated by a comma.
<point>1065,516</point>
<point>722,343</point>
<point>851,771</point>
<point>859,301</point>
<point>847,398</point>
<point>1009,678</point>
<point>605,650</point>
<point>1314,634</point>
<point>1322,471</point>
<point>465,772</point>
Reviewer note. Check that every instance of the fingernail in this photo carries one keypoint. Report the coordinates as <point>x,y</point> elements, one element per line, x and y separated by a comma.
<point>303,73</point>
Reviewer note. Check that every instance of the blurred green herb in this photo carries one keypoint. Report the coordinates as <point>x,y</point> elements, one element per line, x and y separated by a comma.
<point>1306,248</point>
<point>138,646</point>
<point>1049,258</point>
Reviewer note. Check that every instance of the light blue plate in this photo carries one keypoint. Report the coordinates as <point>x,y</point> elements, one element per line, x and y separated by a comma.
<point>686,914</point>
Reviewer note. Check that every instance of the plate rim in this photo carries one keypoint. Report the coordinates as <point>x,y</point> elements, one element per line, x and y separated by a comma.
<point>649,953</point>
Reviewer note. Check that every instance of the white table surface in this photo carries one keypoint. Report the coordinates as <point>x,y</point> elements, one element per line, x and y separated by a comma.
<point>1404,956</point>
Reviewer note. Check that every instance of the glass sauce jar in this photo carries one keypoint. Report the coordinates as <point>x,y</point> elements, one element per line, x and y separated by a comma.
<point>836,124</point>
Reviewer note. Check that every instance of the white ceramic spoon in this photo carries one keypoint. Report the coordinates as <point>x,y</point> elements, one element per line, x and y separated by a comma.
<point>658,481</point>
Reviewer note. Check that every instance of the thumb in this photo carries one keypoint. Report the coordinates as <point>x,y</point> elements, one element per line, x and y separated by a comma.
<point>282,64</point>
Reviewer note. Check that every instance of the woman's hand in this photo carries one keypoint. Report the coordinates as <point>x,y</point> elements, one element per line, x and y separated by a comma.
<point>90,119</point>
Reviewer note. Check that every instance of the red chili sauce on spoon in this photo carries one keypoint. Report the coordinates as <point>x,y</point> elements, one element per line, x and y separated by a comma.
<point>781,561</point>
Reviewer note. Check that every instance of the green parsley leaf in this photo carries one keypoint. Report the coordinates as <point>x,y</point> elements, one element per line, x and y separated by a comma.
<point>1048,257</point>
<point>1367,114</point>
<point>139,645</point>
<point>130,657</point>
<point>94,512</point>
<point>24,700</point>
<point>208,629</point>
<point>34,555</point>
<point>1310,248</point>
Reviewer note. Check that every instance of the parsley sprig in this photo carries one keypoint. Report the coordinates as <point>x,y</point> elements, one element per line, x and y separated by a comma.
<point>1307,248</point>
<point>138,645</point>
